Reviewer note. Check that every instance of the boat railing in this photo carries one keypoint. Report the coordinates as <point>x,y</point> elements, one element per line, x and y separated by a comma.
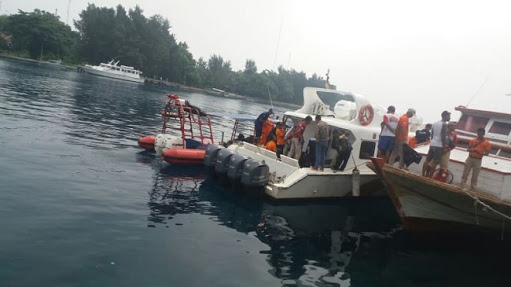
<point>190,122</point>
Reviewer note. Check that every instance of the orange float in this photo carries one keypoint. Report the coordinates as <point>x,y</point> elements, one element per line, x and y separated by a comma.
<point>184,156</point>
<point>147,142</point>
<point>366,114</point>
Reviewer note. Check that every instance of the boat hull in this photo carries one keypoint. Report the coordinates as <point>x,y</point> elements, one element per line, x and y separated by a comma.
<point>111,75</point>
<point>289,181</point>
<point>424,204</point>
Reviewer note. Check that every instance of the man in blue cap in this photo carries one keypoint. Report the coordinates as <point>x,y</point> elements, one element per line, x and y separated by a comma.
<point>258,124</point>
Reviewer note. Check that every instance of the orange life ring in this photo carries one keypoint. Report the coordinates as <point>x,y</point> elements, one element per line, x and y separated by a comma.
<point>366,114</point>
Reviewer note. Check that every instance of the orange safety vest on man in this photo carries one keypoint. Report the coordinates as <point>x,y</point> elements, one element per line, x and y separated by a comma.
<point>279,133</point>
<point>479,148</point>
<point>402,129</point>
<point>267,127</point>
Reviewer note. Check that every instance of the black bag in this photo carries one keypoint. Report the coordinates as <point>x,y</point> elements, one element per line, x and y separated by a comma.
<point>410,155</point>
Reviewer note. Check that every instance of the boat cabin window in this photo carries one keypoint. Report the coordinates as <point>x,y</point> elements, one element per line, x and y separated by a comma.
<point>367,149</point>
<point>331,98</point>
<point>500,128</point>
<point>471,123</point>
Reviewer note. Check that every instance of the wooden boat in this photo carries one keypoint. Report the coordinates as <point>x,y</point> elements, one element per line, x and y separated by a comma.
<point>426,204</point>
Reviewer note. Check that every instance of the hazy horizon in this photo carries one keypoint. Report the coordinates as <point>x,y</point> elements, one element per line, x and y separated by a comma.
<point>431,55</point>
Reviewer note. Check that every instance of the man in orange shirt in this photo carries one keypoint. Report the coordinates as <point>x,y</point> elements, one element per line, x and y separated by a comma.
<point>279,133</point>
<point>401,137</point>
<point>477,148</point>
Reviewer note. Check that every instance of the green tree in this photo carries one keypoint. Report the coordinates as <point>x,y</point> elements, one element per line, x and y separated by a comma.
<point>39,33</point>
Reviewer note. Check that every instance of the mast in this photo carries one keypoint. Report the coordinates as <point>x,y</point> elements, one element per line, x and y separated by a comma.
<point>67,17</point>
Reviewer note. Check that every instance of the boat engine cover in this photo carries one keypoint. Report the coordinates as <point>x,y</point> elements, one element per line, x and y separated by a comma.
<point>222,161</point>
<point>255,173</point>
<point>211,155</point>
<point>236,166</point>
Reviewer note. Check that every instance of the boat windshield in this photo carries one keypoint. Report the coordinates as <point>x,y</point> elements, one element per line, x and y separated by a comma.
<point>331,98</point>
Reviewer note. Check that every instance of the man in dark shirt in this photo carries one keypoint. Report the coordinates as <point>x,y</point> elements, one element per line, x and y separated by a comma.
<point>423,135</point>
<point>258,124</point>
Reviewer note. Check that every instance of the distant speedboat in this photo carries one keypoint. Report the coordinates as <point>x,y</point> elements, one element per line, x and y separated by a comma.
<point>115,71</point>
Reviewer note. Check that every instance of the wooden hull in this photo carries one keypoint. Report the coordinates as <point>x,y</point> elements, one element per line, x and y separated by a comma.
<point>426,204</point>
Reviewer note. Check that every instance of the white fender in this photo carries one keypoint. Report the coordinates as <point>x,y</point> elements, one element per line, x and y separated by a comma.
<point>165,141</point>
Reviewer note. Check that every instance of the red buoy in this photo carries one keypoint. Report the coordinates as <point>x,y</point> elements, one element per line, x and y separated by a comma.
<point>147,142</point>
<point>184,156</point>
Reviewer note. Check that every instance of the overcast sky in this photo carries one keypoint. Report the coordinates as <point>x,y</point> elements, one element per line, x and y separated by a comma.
<point>430,55</point>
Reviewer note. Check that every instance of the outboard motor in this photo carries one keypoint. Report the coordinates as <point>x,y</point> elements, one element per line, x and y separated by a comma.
<point>222,161</point>
<point>235,169</point>
<point>255,173</point>
<point>211,155</point>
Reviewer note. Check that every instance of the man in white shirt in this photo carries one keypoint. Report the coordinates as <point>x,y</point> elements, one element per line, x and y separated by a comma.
<point>388,134</point>
<point>438,144</point>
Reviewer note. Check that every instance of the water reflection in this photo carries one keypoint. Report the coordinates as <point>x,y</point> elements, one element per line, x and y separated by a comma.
<point>309,244</point>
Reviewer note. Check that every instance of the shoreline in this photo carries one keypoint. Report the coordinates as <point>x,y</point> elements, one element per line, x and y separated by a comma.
<point>178,87</point>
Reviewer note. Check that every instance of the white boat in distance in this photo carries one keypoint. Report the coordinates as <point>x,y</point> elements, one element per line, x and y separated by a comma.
<point>342,111</point>
<point>113,70</point>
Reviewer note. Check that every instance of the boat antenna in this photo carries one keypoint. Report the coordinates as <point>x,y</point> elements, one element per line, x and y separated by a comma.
<point>267,73</point>
<point>478,90</point>
<point>67,16</point>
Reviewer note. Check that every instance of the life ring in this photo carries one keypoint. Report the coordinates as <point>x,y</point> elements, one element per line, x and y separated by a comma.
<point>366,114</point>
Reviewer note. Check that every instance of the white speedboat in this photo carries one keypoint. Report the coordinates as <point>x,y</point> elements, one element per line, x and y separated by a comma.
<point>290,179</point>
<point>424,203</point>
<point>113,70</point>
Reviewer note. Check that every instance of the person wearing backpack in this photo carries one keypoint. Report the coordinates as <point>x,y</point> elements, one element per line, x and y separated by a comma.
<point>321,136</point>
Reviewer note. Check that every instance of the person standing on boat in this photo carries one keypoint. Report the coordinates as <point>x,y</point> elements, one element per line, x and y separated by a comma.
<point>279,133</point>
<point>296,137</point>
<point>477,148</point>
<point>452,141</point>
<point>258,124</point>
<point>321,136</point>
<point>387,134</point>
<point>341,143</point>
<point>438,145</point>
<point>401,137</point>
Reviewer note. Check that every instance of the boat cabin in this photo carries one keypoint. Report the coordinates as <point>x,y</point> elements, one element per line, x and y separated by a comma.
<point>497,126</point>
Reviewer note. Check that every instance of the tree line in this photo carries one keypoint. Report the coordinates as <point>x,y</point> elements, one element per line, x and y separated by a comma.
<point>147,44</point>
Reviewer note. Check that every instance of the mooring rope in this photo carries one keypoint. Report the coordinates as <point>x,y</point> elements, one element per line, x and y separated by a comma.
<point>478,201</point>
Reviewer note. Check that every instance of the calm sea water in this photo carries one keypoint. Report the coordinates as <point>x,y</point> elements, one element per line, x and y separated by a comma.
<point>81,205</point>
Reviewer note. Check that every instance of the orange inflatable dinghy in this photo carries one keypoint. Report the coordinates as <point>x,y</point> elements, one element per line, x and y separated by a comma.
<point>184,156</point>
